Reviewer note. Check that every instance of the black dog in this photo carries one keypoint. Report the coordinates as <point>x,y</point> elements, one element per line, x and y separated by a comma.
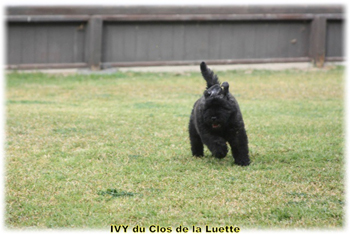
<point>217,119</point>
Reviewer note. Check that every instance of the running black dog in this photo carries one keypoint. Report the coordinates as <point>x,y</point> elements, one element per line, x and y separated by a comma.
<point>217,119</point>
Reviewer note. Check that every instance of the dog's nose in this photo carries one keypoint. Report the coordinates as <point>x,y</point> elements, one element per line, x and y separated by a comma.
<point>213,118</point>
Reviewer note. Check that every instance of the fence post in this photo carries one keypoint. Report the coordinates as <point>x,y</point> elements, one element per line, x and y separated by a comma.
<point>318,40</point>
<point>94,42</point>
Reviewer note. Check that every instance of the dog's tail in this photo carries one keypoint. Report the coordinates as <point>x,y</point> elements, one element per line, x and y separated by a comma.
<point>209,75</point>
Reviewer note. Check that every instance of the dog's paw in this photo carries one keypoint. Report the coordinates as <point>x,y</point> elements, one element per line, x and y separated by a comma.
<point>242,163</point>
<point>219,155</point>
<point>219,148</point>
<point>220,151</point>
<point>197,151</point>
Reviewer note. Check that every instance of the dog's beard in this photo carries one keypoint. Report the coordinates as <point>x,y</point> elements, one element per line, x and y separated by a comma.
<point>217,111</point>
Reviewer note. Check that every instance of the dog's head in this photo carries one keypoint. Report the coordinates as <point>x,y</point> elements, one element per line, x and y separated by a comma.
<point>217,106</point>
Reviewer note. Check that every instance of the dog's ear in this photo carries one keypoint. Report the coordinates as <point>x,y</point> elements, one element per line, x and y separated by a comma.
<point>225,87</point>
<point>209,75</point>
<point>206,94</point>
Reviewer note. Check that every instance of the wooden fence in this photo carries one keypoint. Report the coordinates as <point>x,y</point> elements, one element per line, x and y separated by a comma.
<point>102,37</point>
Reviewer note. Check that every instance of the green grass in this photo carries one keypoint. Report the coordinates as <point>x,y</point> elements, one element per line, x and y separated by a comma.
<point>87,151</point>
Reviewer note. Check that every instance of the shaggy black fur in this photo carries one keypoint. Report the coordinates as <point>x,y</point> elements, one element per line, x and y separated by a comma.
<point>217,119</point>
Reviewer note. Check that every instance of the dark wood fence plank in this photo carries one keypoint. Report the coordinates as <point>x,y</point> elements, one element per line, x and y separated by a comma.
<point>94,43</point>
<point>41,45</point>
<point>318,40</point>
<point>335,38</point>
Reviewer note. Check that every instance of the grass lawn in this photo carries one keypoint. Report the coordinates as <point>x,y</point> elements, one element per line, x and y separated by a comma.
<point>88,151</point>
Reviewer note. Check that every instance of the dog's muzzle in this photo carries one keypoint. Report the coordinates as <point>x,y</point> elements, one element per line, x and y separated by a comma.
<point>214,123</point>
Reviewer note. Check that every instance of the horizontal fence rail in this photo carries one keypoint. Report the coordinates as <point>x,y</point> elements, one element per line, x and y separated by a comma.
<point>103,37</point>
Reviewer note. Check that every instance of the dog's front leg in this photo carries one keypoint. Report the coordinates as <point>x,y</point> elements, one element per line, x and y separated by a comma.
<point>239,147</point>
<point>196,142</point>
<point>217,145</point>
